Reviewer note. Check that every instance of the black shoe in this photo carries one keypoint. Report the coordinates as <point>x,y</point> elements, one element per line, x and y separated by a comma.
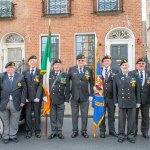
<point>15,140</point>
<point>38,135</point>
<point>135,134</point>
<point>120,140</point>
<point>6,141</point>
<point>51,136</point>
<point>74,134</point>
<point>113,134</point>
<point>29,135</point>
<point>145,136</point>
<point>60,136</point>
<point>102,135</point>
<point>131,140</point>
<point>85,135</point>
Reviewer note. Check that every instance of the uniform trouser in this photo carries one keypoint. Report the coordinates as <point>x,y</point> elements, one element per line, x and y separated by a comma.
<point>145,118</point>
<point>109,105</point>
<point>10,117</point>
<point>128,114</point>
<point>84,106</point>
<point>56,118</point>
<point>36,108</point>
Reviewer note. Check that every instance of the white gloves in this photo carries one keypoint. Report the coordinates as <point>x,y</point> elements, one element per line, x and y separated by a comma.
<point>116,105</point>
<point>90,98</point>
<point>36,100</point>
<point>27,100</point>
<point>45,99</point>
<point>138,105</point>
<point>94,88</point>
<point>66,103</point>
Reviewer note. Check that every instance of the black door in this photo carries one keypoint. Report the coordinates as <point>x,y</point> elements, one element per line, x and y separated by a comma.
<point>118,52</point>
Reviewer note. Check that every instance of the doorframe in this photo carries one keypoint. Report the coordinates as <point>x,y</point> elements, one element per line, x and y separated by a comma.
<point>130,42</point>
<point>5,46</point>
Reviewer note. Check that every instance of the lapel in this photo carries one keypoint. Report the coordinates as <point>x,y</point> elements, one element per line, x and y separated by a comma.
<point>14,81</point>
<point>8,81</point>
<point>77,71</point>
<point>146,76</point>
<point>28,75</point>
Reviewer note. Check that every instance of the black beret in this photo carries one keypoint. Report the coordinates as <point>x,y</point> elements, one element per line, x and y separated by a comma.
<point>140,60</point>
<point>11,63</point>
<point>123,61</point>
<point>57,61</point>
<point>32,57</point>
<point>80,56</point>
<point>106,57</point>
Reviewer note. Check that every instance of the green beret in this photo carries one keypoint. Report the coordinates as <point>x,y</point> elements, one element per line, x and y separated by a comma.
<point>11,63</point>
<point>57,61</point>
<point>106,57</point>
<point>80,56</point>
<point>123,61</point>
<point>32,57</point>
<point>140,60</point>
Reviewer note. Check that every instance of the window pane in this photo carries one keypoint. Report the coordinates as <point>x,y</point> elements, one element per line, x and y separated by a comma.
<point>85,44</point>
<point>55,46</point>
<point>107,5</point>
<point>57,6</point>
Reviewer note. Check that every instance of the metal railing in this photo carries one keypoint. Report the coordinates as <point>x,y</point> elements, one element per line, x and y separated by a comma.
<point>109,6</point>
<point>21,66</point>
<point>6,9</point>
<point>55,8</point>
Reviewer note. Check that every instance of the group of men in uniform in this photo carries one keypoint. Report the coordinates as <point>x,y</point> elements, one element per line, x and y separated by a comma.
<point>129,91</point>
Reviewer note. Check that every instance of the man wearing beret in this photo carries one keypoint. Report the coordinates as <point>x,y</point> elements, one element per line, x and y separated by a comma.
<point>34,81</point>
<point>58,83</point>
<point>81,83</point>
<point>13,93</point>
<point>126,90</point>
<point>107,75</point>
<point>144,76</point>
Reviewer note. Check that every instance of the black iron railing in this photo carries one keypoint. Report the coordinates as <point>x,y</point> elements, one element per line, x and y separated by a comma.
<point>21,66</point>
<point>109,6</point>
<point>56,7</point>
<point>6,9</point>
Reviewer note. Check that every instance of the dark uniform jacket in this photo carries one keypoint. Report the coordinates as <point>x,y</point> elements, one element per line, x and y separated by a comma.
<point>108,84</point>
<point>18,90</point>
<point>81,86</point>
<point>126,90</point>
<point>59,91</point>
<point>145,89</point>
<point>34,86</point>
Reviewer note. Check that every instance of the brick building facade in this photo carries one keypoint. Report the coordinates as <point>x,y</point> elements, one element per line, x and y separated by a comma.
<point>78,26</point>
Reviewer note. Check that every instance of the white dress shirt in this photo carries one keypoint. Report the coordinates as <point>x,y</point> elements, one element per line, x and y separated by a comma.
<point>143,76</point>
<point>104,70</point>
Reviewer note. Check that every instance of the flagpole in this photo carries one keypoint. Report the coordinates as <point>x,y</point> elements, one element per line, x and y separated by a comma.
<point>46,117</point>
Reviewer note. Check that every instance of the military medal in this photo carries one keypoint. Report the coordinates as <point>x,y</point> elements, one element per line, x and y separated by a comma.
<point>19,84</point>
<point>133,82</point>
<point>148,80</point>
<point>87,76</point>
<point>36,79</point>
<point>63,80</point>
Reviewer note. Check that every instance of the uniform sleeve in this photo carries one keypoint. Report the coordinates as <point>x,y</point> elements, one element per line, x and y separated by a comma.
<point>115,90</point>
<point>40,88</point>
<point>91,82</point>
<point>24,91</point>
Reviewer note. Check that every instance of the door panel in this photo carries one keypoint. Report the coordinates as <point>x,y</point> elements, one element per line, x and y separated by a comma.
<point>118,52</point>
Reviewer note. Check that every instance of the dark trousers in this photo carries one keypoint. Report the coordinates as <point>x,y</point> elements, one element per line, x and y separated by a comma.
<point>56,118</point>
<point>145,118</point>
<point>129,115</point>
<point>36,108</point>
<point>110,107</point>
<point>84,106</point>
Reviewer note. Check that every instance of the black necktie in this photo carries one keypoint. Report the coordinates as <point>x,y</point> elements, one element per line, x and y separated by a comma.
<point>81,73</point>
<point>32,74</point>
<point>11,79</point>
<point>56,74</point>
<point>106,74</point>
<point>141,77</point>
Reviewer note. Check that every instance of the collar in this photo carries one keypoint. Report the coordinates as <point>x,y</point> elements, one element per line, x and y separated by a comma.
<point>33,69</point>
<point>108,68</point>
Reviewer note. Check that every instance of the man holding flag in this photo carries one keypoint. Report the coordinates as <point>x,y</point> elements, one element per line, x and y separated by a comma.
<point>59,95</point>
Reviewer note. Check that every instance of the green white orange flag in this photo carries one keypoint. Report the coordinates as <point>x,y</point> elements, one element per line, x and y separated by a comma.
<point>45,70</point>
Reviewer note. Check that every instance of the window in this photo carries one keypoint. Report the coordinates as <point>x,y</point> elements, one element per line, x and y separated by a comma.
<point>6,8</point>
<point>56,7</point>
<point>107,5</point>
<point>85,44</point>
<point>55,46</point>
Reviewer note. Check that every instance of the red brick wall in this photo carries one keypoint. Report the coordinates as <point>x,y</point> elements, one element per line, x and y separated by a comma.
<point>30,24</point>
